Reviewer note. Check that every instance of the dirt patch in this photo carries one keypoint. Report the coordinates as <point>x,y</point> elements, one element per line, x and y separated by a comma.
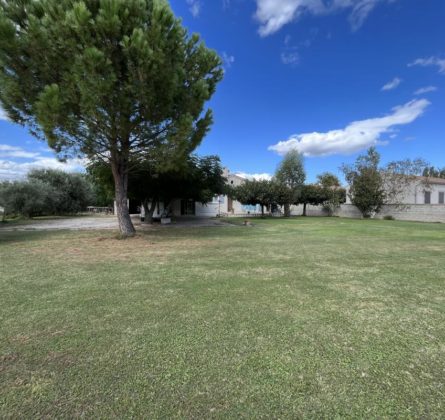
<point>89,249</point>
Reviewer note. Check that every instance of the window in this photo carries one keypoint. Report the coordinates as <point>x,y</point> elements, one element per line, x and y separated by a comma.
<point>442,198</point>
<point>427,197</point>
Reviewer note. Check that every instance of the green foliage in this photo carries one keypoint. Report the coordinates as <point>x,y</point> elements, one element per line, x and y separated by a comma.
<point>291,171</point>
<point>334,194</point>
<point>27,198</point>
<point>372,186</point>
<point>433,172</point>
<point>366,184</point>
<point>47,192</point>
<point>291,174</point>
<point>311,194</point>
<point>116,80</point>
<point>72,192</point>
<point>328,180</point>
<point>253,192</point>
<point>198,178</point>
<point>388,217</point>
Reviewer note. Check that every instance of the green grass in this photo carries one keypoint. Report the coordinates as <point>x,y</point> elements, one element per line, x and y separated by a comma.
<point>314,317</point>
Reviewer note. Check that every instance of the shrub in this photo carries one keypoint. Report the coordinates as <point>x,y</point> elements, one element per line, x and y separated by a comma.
<point>45,193</point>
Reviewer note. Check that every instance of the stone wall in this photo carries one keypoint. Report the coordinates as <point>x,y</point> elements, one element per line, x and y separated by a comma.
<point>413,212</point>
<point>416,212</point>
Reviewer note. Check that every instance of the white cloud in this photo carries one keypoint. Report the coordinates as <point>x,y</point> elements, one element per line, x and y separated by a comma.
<point>194,7</point>
<point>258,177</point>
<point>7,151</point>
<point>227,59</point>
<point>290,57</point>
<point>274,14</point>
<point>426,89</point>
<point>392,84</point>
<point>431,61</point>
<point>355,136</point>
<point>3,116</point>
<point>12,169</point>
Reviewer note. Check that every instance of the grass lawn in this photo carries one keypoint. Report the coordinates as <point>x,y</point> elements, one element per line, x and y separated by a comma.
<point>307,317</point>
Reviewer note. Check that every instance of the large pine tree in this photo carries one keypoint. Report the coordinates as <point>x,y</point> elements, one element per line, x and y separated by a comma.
<point>116,80</point>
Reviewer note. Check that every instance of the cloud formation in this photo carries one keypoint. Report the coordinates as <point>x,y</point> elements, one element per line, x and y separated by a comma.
<point>426,89</point>
<point>227,59</point>
<point>7,151</point>
<point>355,136</point>
<point>274,14</point>
<point>12,169</point>
<point>290,57</point>
<point>430,61</point>
<point>3,116</point>
<point>194,7</point>
<point>258,177</point>
<point>394,83</point>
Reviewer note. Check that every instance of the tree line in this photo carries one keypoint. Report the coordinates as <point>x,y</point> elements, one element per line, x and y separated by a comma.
<point>125,85</point>
<point>47,192</point>
<point>287,188</point>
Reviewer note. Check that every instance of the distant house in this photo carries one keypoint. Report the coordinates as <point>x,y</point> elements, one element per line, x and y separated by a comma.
<point>422,190</point>
<point>221,205</point>
<point>423,200</point>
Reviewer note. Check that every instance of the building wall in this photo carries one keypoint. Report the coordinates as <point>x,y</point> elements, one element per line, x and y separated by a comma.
<point>219,206</point>
<point>415,192</point>
<point>412,212</point>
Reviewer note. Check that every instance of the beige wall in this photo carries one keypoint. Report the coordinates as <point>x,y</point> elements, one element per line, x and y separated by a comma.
<point>415,193</point>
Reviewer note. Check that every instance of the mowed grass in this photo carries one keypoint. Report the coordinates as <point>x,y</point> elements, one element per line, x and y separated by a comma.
<point>307,317</point>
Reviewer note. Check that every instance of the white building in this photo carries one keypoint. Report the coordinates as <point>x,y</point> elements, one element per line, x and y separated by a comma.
<point>221,205</point>
<point>422,201</point>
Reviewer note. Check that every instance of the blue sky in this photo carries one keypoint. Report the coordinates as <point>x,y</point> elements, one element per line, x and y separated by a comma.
<point>327,77</point>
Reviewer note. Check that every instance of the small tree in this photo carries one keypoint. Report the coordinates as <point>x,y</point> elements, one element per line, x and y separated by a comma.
<point>334,193</point>
<point>433,172</point>
<point>118,81</point>
<point>253,192</point>
<point>366,189</point>
<point>312,194</point>
<point>291,174</point>
<point>372,187</point>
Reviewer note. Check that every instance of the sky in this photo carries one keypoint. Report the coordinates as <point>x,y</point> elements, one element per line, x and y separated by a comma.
<point>328,78</point>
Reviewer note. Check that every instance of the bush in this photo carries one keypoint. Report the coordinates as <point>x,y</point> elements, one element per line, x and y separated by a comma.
<point>389,218</point>
<point>72,193</point>
<point>46,193</point>
<point>26,198</point>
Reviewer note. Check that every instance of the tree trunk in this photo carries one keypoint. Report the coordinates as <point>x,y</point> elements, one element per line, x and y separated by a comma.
<point>262,210</point>
<point>166,210</point>
<point>287,210</point>
<point>120,176</point>
<point>304,209</point>
<point>149,210</point>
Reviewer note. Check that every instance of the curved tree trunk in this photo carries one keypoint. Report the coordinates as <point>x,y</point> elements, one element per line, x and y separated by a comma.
<point>120,176</point>
<point>149,210</point>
